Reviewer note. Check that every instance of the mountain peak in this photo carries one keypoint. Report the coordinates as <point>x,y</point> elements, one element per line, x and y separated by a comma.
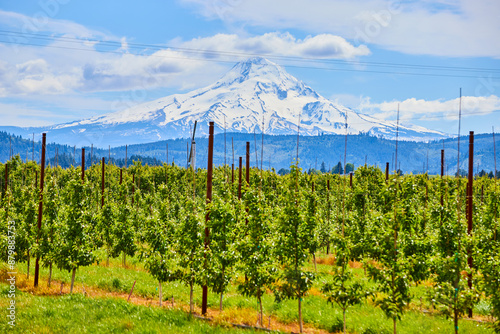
<point>257,69</point>
<point>253,92</point>
<point>257,60</point>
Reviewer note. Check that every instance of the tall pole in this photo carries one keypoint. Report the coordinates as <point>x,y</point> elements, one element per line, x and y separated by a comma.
<point>458,274</point>
<point>427,168</point>
<point>232,173</point>
<point>7,178</point>
<point>386,171</point>
<point>102,183</point>
<point>397,137</point>
<point>469,207</point>
<point>232,165</point>
<point>193,155</point>
<point>239,179</point>
<point>442,174</point>
<point>83,164</point>
<point>209,199</point>
<point>262,146</point>
<point>298,133</point>
<point>495,178</point>
<point>247,172</point>
<point>224,144</point>
<point>166,168</point>
<point>442,163</point>
<point>40,208</point>
<point>33,153</point>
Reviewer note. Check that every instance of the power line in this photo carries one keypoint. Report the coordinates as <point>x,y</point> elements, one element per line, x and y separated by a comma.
<point>149,47</point>
<point>232,62</point>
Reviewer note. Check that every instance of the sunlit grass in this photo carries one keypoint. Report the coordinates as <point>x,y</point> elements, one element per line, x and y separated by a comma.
<point>317,312</point>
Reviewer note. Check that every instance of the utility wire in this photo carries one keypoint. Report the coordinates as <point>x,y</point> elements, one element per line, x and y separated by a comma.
<point>232,62</point>
<point>149,47</point>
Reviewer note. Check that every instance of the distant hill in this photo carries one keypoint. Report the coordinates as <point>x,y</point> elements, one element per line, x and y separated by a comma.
<point>279,151</point>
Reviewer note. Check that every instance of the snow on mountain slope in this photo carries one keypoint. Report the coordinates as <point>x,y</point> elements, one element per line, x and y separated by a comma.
<point>253,92</point>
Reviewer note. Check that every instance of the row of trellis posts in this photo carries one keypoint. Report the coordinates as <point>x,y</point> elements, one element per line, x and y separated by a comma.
<point>469,194</point>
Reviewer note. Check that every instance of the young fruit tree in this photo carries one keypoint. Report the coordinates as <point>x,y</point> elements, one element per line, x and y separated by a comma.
<point>77,233</point>
<point>294,245</point>
<point>255,248</point>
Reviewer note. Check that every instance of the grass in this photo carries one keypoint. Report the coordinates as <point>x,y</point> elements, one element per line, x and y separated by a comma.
<point>317,312</point>
<point>79,314</point>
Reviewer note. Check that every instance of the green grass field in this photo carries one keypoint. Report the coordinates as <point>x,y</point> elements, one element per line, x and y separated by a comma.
<point>52,313</point>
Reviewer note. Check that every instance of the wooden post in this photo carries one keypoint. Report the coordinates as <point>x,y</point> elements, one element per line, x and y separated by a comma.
<point>248,164</point>
<point>232,148</point>
<point>350,179</point>
<point>442,174</point>
<point>469,207</point>
<point>386,171</point>
<point>239,180</point>
<point>209,199</point>
<point>83,164</point>
<point>102,183</point>
<point>232,173</point>
<point>6,177</point>
<point>328,213</point>
<point>442,163</point>
<point>166,169</point>
<point>40,207</point>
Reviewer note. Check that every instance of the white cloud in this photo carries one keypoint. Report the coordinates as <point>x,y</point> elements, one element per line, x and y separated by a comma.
<point>444,28</point>
<point>420,109</point>
<point>71,61</point>
<point>283,44</point>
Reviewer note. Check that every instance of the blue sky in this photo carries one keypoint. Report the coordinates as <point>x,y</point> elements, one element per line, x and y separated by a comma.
<point>62,60</point>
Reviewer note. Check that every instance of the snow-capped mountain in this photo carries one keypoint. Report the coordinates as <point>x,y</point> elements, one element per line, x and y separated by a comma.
<point>255,95</point>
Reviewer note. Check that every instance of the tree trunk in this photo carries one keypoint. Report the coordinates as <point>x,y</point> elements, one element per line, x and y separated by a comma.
<point>300,315</point>
<point>455,319</point>
<point>191,298</point>
<point>50,273</point>
<point>220,302</point>
<point>394,322</point>
<point>159,288</point>
<point>260,315</point>
<point>72,280</point>
<point>107,261</point>
<point>344,319</point>
<point>124,259</point>
<point>314,260</point>
<point>222,289</point>
<point>28,274</point>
